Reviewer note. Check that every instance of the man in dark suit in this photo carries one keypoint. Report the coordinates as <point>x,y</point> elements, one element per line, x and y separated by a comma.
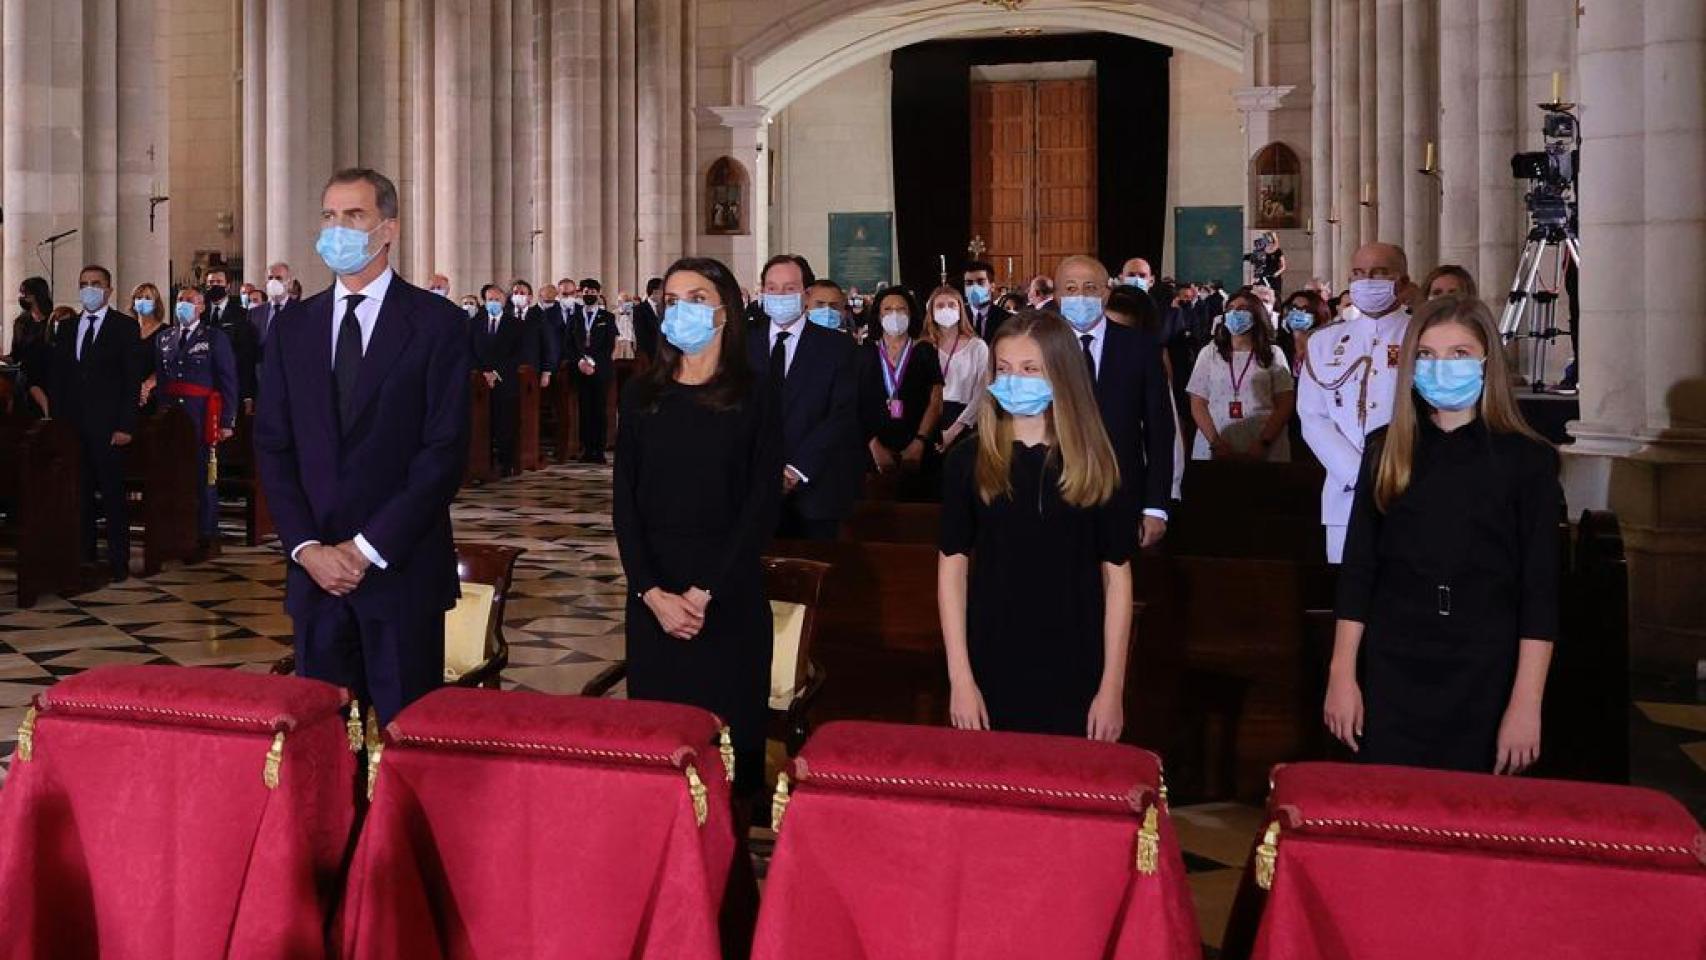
<point>261,315</point>
<point>546,322</point>
<point>498,346</point>
<point>648,317</point>
<point>986,315</point>
<point>232,318</point>
<point>93,382</point>
<point>1131,390</point>
<point>361,442</point>
<point>593,332</point>
<point>813,371</point>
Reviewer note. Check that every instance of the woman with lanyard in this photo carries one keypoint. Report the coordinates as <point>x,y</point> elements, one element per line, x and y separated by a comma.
<point>965,363</point>
<point>1242,393</point>
<point>900,390</point>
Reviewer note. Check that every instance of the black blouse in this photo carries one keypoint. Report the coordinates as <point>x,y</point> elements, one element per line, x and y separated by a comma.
<point>923,372</point>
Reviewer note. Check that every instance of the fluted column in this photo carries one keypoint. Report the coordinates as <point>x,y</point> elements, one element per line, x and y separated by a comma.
<point>1500,233</point>
<point>254,69</point>
<point>298,133</point>
<point>1459,159</point>
<point>1321,137</point>
<point>143,250</point>
<point>452,129</point>
<point>1369,55</point>
<point>626,262</point>
<point>1347,152</point>
<point>43,149</point>
<point>1389,92</point>
<point>1421,126</point>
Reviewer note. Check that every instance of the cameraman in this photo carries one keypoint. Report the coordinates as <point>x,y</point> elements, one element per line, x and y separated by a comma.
<point>1267,261</point>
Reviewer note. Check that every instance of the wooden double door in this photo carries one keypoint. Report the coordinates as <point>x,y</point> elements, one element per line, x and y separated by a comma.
<point>1033,173</point>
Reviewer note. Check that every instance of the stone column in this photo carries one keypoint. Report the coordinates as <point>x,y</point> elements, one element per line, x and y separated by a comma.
<point>1500,231</point>
<point>143,248</point>
<point>1421,126</point>
<point>543,208</point>
<point>627,149</point>
<point>1368,101</point>
<point>1391,52</point>
<point>452,128</point>
<point>255,39</point>
<point>1347,152</point>
<point>420,236</point>
<point>43,160</point>
<point>1321,138</point>
<point>299,134</point>
<point>1459,159</point>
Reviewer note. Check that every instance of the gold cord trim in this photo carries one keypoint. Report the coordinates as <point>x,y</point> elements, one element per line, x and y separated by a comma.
<point>660,758</point>
<point>726,747</point>
<point>275,759</point>
<point>1123,799</point>
<point>1149,843</point>
<point>1267,856</point>
<point>353,725</point>
<point>696,790</point>
<point>779,803</point>
<point>1507,838</point>
<point>375,745</point>
<point>27,736</point>
<point>55,701</point>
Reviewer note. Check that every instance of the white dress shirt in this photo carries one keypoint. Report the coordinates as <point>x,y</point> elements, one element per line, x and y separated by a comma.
<point>367,317</point>
<point>95,319</point>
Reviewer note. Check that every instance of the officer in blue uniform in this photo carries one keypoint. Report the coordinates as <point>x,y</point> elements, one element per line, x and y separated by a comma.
<point>197,370</point>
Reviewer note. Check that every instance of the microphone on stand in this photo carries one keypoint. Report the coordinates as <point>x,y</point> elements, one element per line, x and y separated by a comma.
<point>57,237</point>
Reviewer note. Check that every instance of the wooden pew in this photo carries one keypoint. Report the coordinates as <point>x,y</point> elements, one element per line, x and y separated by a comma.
<point>39,478</point>
<point>1245,509</point>
<point>163,473</point>
<point>527,454</point>
<point>1584,726</point>
<point>238,478</point>
<point>565,399</point>
<point>479,469</point>
<point>889,521</point>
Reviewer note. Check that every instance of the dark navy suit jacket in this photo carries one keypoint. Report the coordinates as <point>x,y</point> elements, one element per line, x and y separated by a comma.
<point>820,416</point>
<point>392,472</point>
<point>1131,389</point>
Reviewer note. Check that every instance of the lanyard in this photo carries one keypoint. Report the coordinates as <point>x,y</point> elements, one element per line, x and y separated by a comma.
<point>1239,378</point>
<point>893,373</point>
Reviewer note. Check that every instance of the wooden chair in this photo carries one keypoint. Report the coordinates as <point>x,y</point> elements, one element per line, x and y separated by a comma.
<point>238,477</point>
<point>795,588</point>
<point>162,476</point>
<point>475,650</point>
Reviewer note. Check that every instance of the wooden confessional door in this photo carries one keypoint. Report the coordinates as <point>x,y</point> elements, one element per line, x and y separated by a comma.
<point>1033,173</point>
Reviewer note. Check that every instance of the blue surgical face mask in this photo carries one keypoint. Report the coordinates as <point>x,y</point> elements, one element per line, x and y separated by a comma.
<point>1141,283</point>
<point>243,299</point>
<point>1452,384</point>
<point>783,308</point>
<point>977,294</point>
<point>690,327</point>
<point>344,249</point>
<point>1239,322</point>
<point>1082,312</point>
<point>827,317</point>
<point>90,298</point>
<point>1022,396</point>
<point>144,307</point>
<point>185,311</point>
<point>1299,320</point>
<point>494,308</point>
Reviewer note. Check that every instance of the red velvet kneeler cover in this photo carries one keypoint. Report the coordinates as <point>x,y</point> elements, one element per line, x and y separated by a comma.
<point>924,843</point>
<point>156,811</point>
<point>1395,862</point>
<point>516,824</point>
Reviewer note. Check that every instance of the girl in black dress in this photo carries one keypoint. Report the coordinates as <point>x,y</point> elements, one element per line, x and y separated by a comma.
<point>900,394</point>
<point>698,451</point>
<point>1449,591</point>
<point>1031,517</point>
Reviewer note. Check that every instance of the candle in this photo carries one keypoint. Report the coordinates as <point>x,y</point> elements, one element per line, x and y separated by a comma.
<point>1009,268</point>
<point>1557,87</point>
<point>1428,162</point>
<point>1311,227</point>
<point>1367,192</point>
<point>944,259</point>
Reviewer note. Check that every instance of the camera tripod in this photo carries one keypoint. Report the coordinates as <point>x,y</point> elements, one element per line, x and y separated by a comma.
<point>1538,307</point>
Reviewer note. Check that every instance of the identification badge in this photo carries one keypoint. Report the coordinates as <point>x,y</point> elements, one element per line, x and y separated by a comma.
<point>1236,409</point>
<point>1392,356</point>
<point>897,410</point>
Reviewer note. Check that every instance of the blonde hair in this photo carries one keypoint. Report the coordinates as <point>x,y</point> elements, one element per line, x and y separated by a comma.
<point>162,315</point>
<point>1497,406</point>
<point>1089,472</point>
<point>932,331</point>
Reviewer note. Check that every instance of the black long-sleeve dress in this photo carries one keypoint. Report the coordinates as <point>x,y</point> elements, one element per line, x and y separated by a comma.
<point>696,498</point>
<point>1447,582</point>
<point>1035,602</point>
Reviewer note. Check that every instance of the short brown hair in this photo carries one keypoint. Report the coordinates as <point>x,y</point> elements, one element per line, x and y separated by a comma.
<point>384,191</point>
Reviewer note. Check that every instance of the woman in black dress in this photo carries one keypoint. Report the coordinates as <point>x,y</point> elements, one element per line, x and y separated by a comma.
<point>698,451</point>
<point>32,345</point>
<point>900,395</point>
<point>1032,519</point>
<point>145,307</point>
<point>1449,590</point>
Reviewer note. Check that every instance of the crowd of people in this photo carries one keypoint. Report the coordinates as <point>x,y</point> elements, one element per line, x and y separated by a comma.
<point>1050,424</point>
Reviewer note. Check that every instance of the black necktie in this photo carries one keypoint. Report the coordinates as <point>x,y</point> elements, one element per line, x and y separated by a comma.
<point>213,316</point>
<point>88,341</point>
<point>779,359</point>
<point>346,363</point>
<point>1089,358</point>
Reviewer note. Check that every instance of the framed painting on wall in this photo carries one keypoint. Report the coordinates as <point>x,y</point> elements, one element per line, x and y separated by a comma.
<point>726,198</point>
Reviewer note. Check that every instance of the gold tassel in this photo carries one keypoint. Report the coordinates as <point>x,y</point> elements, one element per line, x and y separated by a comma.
<point>1267,856</point>
<point>27,735</point>
<point>275,759</point>
<point>726,747</point>
<point>1149,843</point>
<point>696,789</point>
<point>212,466</point>
<point>354,726</point>
<point>375,749</point>
<point>779,803</point>
<point>373,737</point>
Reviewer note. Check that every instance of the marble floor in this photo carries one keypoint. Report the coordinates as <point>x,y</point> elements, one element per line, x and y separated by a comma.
<point>564,625</point>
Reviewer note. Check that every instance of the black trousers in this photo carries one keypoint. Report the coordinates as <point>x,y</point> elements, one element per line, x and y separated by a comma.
<point>792,525</point>
<point>506,421</point>
<point>103,473</point>
<point>387,664</point>
<point>593,391</point>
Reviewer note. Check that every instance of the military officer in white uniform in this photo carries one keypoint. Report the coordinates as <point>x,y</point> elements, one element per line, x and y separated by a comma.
<point>1346,390</point>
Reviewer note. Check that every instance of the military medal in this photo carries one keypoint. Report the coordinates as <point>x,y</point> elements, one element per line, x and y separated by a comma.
<point>1392,356</point>
<point>893,374</point>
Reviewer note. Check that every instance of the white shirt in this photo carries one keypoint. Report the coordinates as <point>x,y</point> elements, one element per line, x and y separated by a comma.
<point>965,372</point>
<point>367,317</point>
<point>1258,387</point>
<point>89,319</point>
<point>791,345</point>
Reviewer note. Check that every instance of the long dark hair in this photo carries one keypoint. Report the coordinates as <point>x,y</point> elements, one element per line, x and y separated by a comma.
<point>36,289</point>
<point>730,385</point>
<point>1261,332</point>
